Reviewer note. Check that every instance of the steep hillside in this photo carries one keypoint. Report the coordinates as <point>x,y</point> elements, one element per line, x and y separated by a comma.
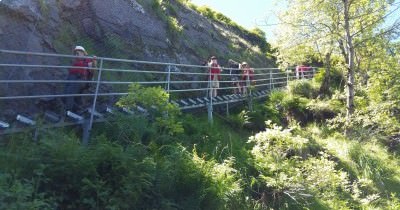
<point>153,30</point>
<point>147,30</point>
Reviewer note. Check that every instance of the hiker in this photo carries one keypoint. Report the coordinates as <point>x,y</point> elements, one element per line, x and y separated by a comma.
<point>80,71</point>
<point>214,72</point>
<point>247,77</point>
<point>234,72</point>
<point>301,71</point>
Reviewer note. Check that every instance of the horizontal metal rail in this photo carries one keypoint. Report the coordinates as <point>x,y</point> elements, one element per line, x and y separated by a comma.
<point>175,77</point>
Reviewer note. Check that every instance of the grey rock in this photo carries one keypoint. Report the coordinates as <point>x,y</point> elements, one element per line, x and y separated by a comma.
<point>108,28</point>
<point>71,4</point>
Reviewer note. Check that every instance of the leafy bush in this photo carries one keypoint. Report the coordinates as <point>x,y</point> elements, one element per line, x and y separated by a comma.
<point>303,88</point>
<point>289,176</point>
<point>325,109</point>
<point>376,120</point>
<point>240,120</point>
<point>156,101</point>
<point>167,12</point>
<point>22,194</point>
<point>337,78</point>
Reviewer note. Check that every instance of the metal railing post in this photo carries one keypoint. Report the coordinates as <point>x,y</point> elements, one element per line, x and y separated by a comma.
<point>249,93</point>
<point>88,127</point>
<point>287,77</point>
<point>210,104</point>
<point>168,78</point>
<point>270,79</point>
<point>169,82</point>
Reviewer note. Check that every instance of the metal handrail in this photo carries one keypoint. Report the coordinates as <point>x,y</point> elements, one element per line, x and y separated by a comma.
<point>263,77</point>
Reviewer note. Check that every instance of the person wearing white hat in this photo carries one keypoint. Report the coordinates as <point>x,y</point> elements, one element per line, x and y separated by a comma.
<point>81,70</point>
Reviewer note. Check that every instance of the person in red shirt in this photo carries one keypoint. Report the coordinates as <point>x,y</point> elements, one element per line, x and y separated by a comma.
<point>214,71</point>
<point>301,71</point>
<point>247,77</point>
<point>80,71</point>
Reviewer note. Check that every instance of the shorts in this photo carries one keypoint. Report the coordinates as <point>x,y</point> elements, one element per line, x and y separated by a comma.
<point>215,83</point>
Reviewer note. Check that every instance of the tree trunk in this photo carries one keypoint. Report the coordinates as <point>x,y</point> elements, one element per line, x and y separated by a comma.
<point>350,65</point>
<point>324,89</point>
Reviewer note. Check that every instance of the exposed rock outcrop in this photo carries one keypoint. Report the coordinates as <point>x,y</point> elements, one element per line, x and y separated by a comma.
<point>119,28</point>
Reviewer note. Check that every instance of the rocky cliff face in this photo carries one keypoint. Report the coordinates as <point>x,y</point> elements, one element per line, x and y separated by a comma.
<point>134,29</point>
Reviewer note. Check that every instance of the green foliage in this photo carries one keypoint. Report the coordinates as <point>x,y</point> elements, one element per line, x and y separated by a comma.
<point>115,45</point>
<point>22,194</point>
<point>337,78</point>
<point>289,176</point>
<point>157,101</point>
<point>292,107</point>
<point>44,7</point>
<point>302,88</point>
<point>107,175</point>
<point>374,120</point>
<point>325,109</point>
<point>64,39</point>
<point>240,120</point>
<point>255,36</point>
<point>168,13</point>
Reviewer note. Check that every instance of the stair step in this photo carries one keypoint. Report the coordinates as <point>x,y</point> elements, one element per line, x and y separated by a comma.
<point>4,124</point>
<point>184,102</point>
<point>199,100</point>
<point>25,120</point>
<point>95,113</point>
<point>192,101</point>
<point>52,117</point>
<point>177,104</point>
<point>74,116</point>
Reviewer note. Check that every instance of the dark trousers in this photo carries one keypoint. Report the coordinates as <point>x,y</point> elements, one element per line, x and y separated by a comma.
<point>73,103</point>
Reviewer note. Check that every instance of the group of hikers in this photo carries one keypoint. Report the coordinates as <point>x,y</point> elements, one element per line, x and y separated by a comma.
<point>82,70</point>
<point>241,74</point>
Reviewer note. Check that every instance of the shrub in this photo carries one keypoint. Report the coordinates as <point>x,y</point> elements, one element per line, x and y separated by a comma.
<point>22,194</point>
<point>303,88</point>
<point>337,78</point>
<point>240,120</point>
<point>325,109</point>
<point>156,101</point>
<point>290,177</point>
<point>376,120</point>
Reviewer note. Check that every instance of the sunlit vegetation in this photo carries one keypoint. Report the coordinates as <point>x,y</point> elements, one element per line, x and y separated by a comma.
<point>256,36</point>
<point>163,159</point>
<point>290,152</point>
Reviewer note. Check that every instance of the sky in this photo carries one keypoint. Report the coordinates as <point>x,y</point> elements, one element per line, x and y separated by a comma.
<point>249,14</point>
<point>258,13</point>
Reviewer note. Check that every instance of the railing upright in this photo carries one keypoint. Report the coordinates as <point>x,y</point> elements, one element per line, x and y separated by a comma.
<point>249,93</point>
<point>210,93</point>
<point>270,79</point>
<point>89,127</point>
<point>168,79</point>
<point>287,77</point>
<point>275,78</point>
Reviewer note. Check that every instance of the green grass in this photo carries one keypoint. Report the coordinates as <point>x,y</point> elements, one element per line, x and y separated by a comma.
<point>149,162</point>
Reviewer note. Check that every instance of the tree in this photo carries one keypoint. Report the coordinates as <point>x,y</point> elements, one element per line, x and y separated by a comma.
<point>338,27</point>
